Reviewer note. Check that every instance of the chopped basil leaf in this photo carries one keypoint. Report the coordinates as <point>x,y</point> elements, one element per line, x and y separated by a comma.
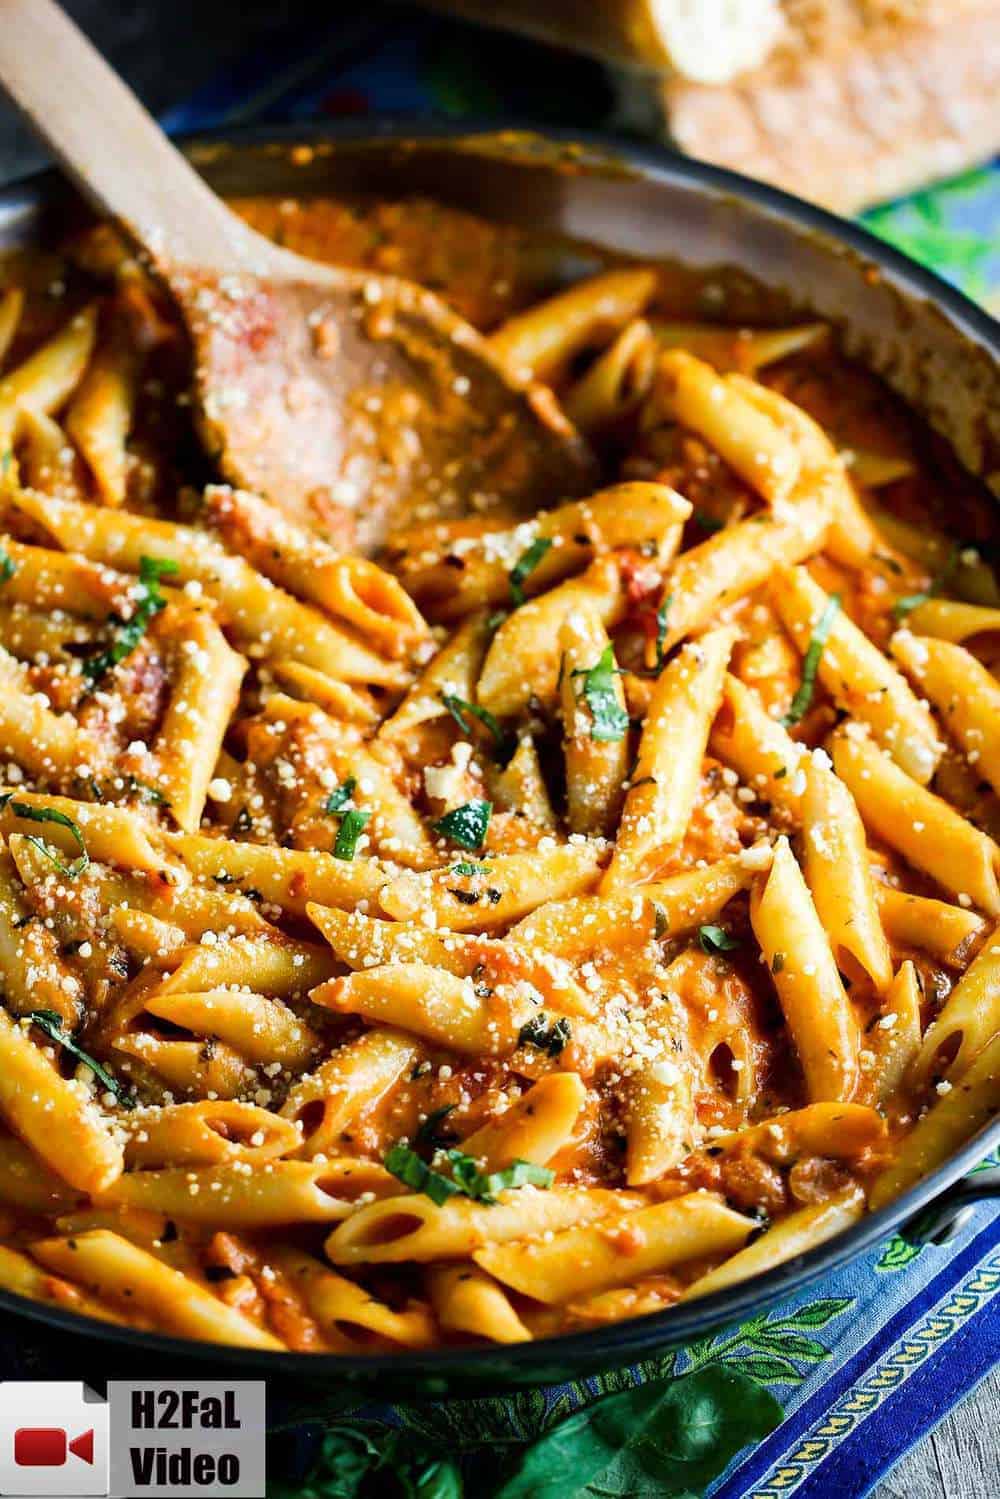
<point>465,867</point>
<point>662,617</point>
<point>338,799</point>
<point>147,792</point>
<point>51,1023</point>
<point>779,775</point>
<point>714,939</point>
<point>351,827</point>
<point>609,718</point>
<point>49,814</point>
<point>906,605</point>
<point>505,743</point>
<point>547,1037</point>
<point>428,1133</point>
<point>495,620</point>
<point>406,1166</point>
<point>130,631</point>
<point>707,522</point>
<point>466,825</point>
<point>810,665</point>
<point>661,921</point>
<point>7,567</point>
<point>525,564</point>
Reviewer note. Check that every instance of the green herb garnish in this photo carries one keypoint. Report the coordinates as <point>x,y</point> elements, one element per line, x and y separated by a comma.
<point>504,743</point>
<point>7,566</point>
<point>466,1179</point>
<point>662,617</point>
<point>906,605</point>
<point>465,867</point>
<point>49,814</point>
<point>338,799</point>
<point>51,1023</point>
<point>466,825</point>
<point>547,1036</point>
<point>406,1166</point>
<point>352,825</point>
<point>526,564</point>
<point>130,631</point>
<point>810,665</point>
<point>715,939</point>
<point>609,720</point>
<point>428,1133</point>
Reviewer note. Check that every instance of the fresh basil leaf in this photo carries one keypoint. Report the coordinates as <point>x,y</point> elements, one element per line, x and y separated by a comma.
<point>525,565</point>
<point>51,1023</point>
<point>7,566</point>
<point>609,720</point>
<point>466,825</point>
<point>130,631</point>
<point>669,1437</point>
<point>910,601</point>
<point>810,665</point>
<point>714,939</point>
<point>518,1174</point>
<point>662,625</point>
<point>406,1166</point>
<point>465,867</point>
<point>352,825</point>
<point>546,1036</point>
<point>341,795</point>
<point>428,1133</point>
<point>49,814</point>
<point>147,792</point>
<point>504,743</point>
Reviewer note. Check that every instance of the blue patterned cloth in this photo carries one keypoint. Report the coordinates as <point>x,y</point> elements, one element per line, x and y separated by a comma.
<point>867,1361</point>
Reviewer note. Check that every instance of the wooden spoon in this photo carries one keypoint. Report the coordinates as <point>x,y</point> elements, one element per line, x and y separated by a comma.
<point>358,402</point>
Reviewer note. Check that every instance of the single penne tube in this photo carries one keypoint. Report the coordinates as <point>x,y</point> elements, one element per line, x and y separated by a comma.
<point>524,881</point>
<point>790,1237</point>
<point>313,686</point>
<point>838,873</point>
<point>858,676</point>
<point>583,1261</point>
<point>274,1193</point>
<point>205,688</point>
<point>573,929</point>
<point>466,1300</point>
<point>595,750</point>
<point>953,1118</point>
<point>947,619</point>
<point>27,633</point>
<point>285,877</point>
<point>146,937</point>
<point>616,382</point>
<point>969,1019</point>
<point>732,563</point>
<point>48,377</point>
<point>965,694</point>
<point>426,1002</point>
<point>664,785</point>
<point>873,470</point>
<point>538,343</point>
<point>759,748</point>
<point>689,391</point>
<point>742,349</point>
<point>352,588</point>
<point>897,1033</point>
<point>971,576</point>
<point>57,1118</point>
<point>413,1228</point>
<point>11,308</point>
<point>27,1183</point>
<point>112,1268</point>
<point>45,460</point>
<point>661,1125</point>
<point>194,1068</point>
<point>259,1028</point>
<point>322,1104</point>
<point>520,786</point>
<point>47,744</point>
<point>453,672</point>
<point>523,658</point>
<point>837,1131</point>
<point>43,578</point>
<point>258,613</point>
<point>946,932</point>
<point>456,573</point>
<point>535,1128</point>
<point>930,834</point>
<point>111,834</point>
<point>100,416</point>
<point>817,1011</point>
<point>278,966</point>
<point>348,1314</point>
<point>206,1133</point>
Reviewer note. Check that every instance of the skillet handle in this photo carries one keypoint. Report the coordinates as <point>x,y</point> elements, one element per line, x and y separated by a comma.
<point>950,1212</point>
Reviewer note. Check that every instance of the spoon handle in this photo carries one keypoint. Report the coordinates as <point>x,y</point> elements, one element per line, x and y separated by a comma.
<point>111,147</point>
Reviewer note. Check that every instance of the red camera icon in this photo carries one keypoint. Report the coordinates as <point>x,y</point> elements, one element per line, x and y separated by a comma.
<point>48,1446</point>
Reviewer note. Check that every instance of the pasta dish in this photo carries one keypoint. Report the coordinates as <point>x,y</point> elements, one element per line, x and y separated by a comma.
<point>552,918</point>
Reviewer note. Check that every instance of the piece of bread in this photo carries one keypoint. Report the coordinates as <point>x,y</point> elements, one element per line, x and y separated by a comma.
<point>863,100</point>
<point>708,40</point>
